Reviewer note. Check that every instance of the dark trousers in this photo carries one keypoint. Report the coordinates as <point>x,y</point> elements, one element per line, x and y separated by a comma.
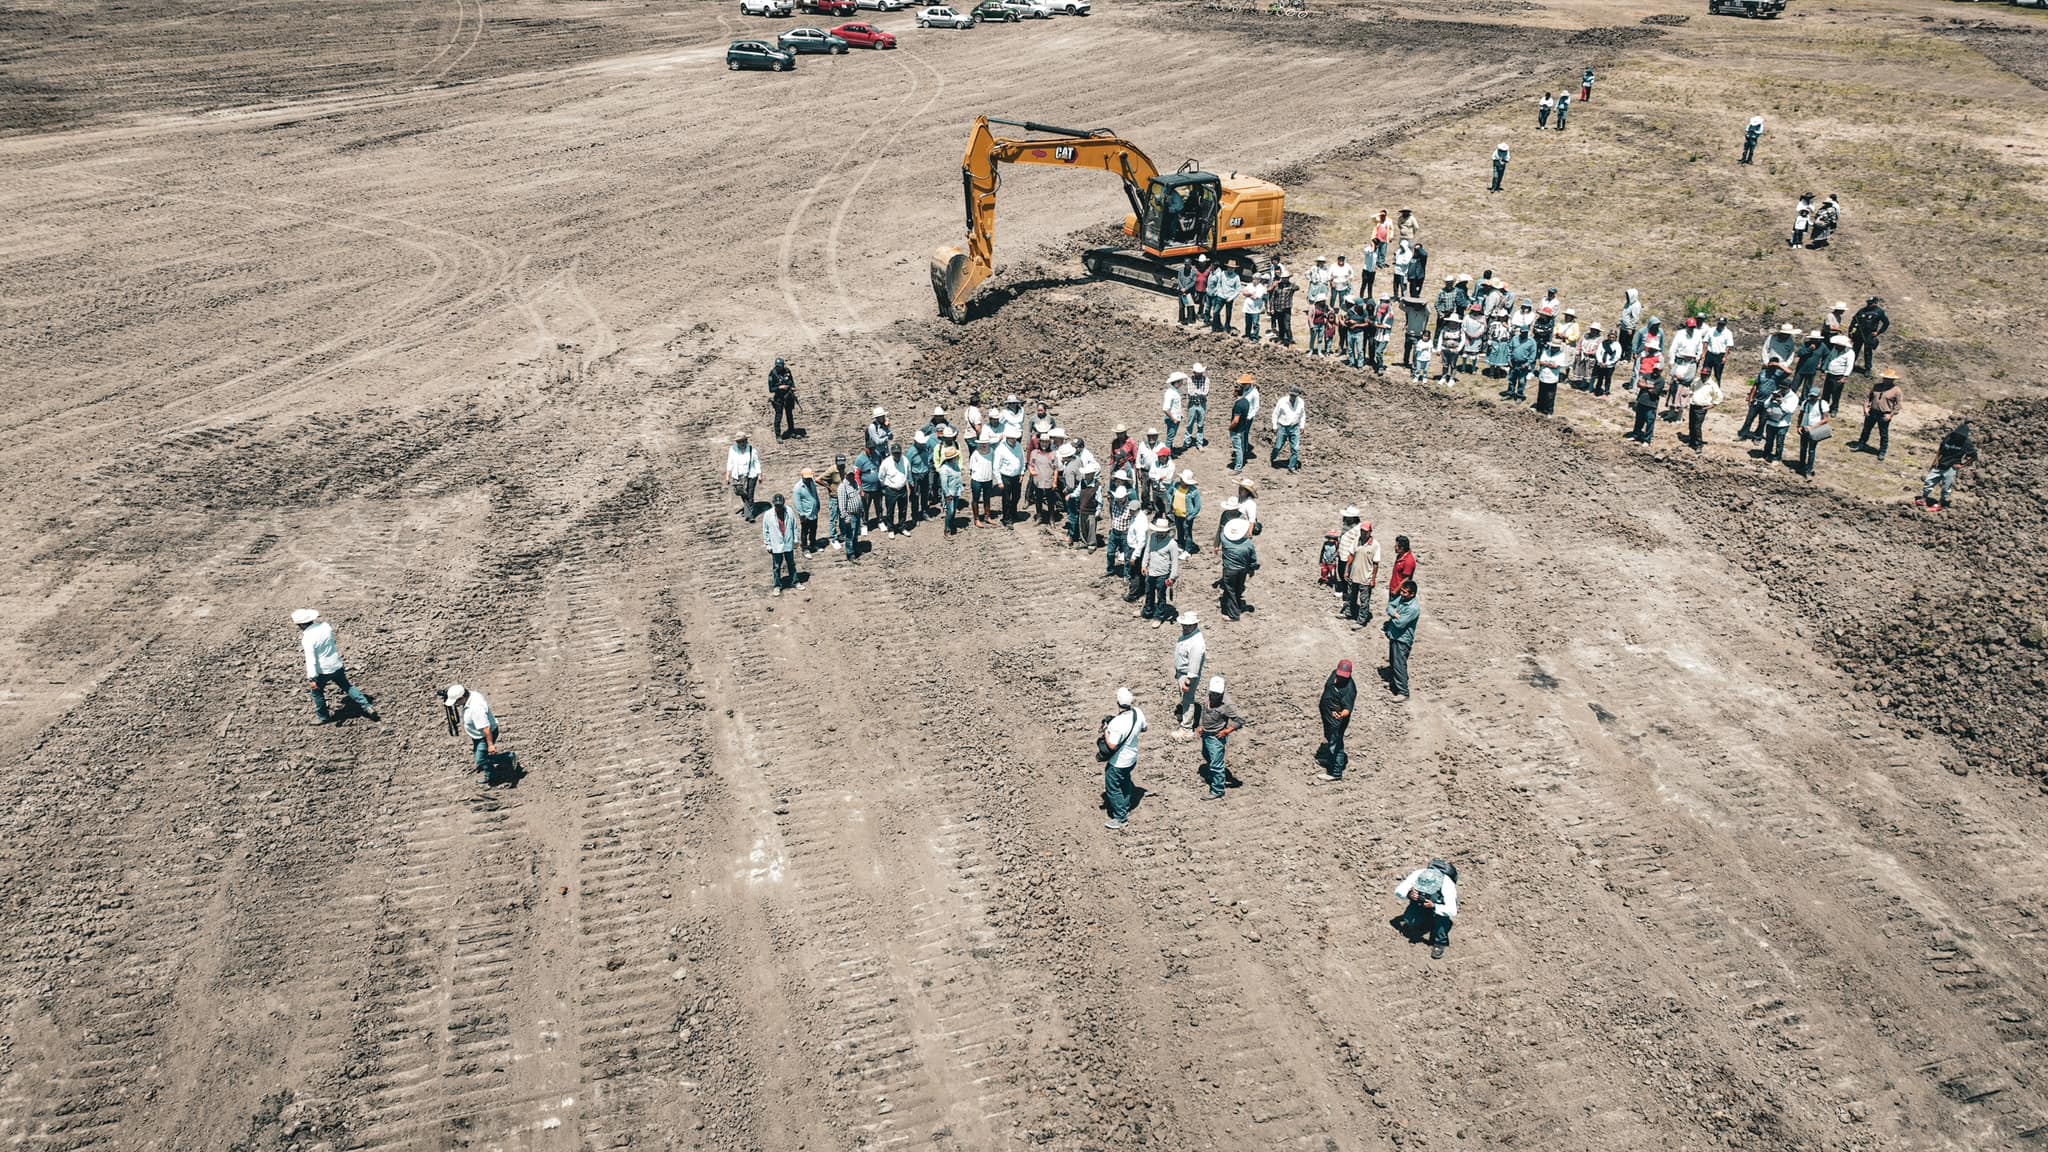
<point>1397,665</point>
<point>1117,789</point>
<point>1233,593</point>
<point>872,506</point>
<point>1873,420</point>
<point>1748,151</point>
<point>1714,362</point>
<point>1809,453</point>
<point>744,490</point>
<point>785,417</point>
<point>807,534</point>
<point>1499,170</point>
<point>1358,601</point>
<point>1695,423</point>
<point>1330,754</point>
<point>1831,392</point>
<point>1603,379</point>
<point>1283,325</point>
<point>1158,600</point>
<point>782,566</point>
<point>1427,924</point>
<point>1546,396</point>
<point>1013,490</point>
<point>338,678</point>
<point>1774,441</point>
<point>896,502</point>
<point>1752,424</point>
<point>1518,382</point>
<point>1136,563</point>
<point>1866,353</point>
<point>1646,421</point>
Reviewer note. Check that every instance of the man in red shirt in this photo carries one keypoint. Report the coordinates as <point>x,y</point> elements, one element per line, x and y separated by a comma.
<point>1404,566</point>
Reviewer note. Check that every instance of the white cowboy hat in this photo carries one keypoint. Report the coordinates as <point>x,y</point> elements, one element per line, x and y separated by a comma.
<point>988,436</point>
<point>1121,492</point>
<point>1230,504</point>
<point>1177,378</point>
<point>1187,477</point>
<point>303,616</point>
<point>1013,433</point>
<point>1189,618</point>
<point>1162,525</point>
<point>1352,513</point>
<point>1754,120</point>
<point>938,411</point>
<point>881,411</point>
<point>1151,431</point>
<point>455,692</point>
<point>1839,307</point>
<point>1198,369</point>
<point>1840,340</point>
<point>921,438</point>
<point>1058,432</point>
<point>1236,530</point>
<point>1066,452</point>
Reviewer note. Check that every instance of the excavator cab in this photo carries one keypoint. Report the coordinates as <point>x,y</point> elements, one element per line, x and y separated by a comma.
<point>1180,213</point>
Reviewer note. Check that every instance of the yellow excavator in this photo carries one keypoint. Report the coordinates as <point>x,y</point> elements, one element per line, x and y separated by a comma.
<point>1174,217</point>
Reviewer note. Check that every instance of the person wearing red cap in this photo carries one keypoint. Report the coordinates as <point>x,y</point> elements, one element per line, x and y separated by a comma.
<point>1339,694</point>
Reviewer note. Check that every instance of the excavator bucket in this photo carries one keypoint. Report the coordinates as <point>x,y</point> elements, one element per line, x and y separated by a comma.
<point>954,280</point>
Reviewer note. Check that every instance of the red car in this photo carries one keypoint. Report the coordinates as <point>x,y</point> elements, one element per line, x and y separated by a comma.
<point>829,7</point>
<point>865,36</point>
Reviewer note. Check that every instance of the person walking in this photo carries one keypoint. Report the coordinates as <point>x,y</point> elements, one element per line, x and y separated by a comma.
<point>1358,564</point>
<point>1878,409</point>
<point>1240,560</point>
<point>1117,744</point>
<point>1865,330</point>
<point>324,666</point>
<point>1813,428</point>
<point>1160,563</point>
<point>1564,106</point>
<point>779,536</point>
<point>743,470</point>
<point>469,713</point>
<point>1402,613</point>
<point>1543,108</point>
<point>1220,721</point>
<point>1432,896</point>
<point>1288,414</point>
<point>1340,695</point>
<point>951,488</point>
<point>1190,658</point>
<point>1184,503</point>
<point>1500,165</point>
<point>1704,397</point>
<point>782,399</point>
<point>1750,135</point>
<point>852,515</point>
<point>1958,450</point>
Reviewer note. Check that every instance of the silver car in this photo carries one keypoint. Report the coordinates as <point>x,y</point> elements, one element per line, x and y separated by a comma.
<point>941,16</point>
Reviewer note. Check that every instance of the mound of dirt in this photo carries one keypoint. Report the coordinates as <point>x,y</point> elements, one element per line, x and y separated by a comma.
<point>1665,19</point>
<point>1613,37</point>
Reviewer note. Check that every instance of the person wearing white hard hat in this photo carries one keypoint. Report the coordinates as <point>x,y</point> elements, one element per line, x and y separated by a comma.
<point>1240,560</point>
<point>1161,564</point>
<point>468,712</point>
<point>324,666</point>
<point>1172,405</point>
<point>1198,408</point>
<point>1184,504</point>
<point>743,470</point>
<point>1190,657</point>
<point>1219,721</point>
<point>1116,745</point>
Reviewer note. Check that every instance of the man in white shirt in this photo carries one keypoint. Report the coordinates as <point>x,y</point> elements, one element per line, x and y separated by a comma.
<point>1319,282</point>
<point>472,714</point>
<point>1157,461</point>
<point>743,468</point>
<point>1288,413</point>
<point>1120,734</point>
<point>1172,405</point>
<point>1190,656</point>
<point>1720,341</point>
<point>895,473</point>
<point>323,665</point>
<point>1009,464</point>
<point>1340,281</point>
<point>1432,896</point>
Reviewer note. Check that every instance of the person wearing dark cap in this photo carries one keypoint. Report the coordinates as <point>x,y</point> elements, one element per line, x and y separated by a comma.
<point>782,398</point>
<point>1339,695</point>
<point>1865,328</point>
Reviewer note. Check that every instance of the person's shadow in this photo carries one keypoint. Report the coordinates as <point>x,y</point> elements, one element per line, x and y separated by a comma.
<point>503,770</point>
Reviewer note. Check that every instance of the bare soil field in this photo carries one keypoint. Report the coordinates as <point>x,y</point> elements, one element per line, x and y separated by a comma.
<point>439,318</point>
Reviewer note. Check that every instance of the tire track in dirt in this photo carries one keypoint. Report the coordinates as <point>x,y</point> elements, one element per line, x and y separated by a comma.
<point>852,195</point>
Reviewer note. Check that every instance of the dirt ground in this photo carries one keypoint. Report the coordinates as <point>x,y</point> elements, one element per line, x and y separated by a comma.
<point>439,319</point>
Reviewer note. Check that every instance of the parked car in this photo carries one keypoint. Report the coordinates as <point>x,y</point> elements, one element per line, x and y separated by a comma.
<point>997,11</point>
<point>1068,7</point>
<point>1028,9</point>
<point>759,55</point>
<point>1761,9</point>
<point>828,7</point>
<point>865,36</point>
<point>941,16</point>
<point>777,8</point>
<point>811,42</point>
<point>884,5</point>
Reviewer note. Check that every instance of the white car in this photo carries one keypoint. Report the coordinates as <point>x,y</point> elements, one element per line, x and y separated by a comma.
<point>1029,9</point>
<point>1068,7</point>
<point>944,17</point>
<point>776,8</point>
<point>885,5</point>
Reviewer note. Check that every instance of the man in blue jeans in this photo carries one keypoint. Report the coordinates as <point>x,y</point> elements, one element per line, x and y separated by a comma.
<point>1241,426</point>
<point>1288,412</point>
<point>324,667</point>
<point>1402,613</point>
<point>1198,408</point>
<point>1120,733</point>
<point>1219,720</point>
<point>472,713</point>
<point>1432,896</point>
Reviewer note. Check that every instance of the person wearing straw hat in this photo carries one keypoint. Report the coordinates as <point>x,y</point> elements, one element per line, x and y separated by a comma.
<point>469,713</point>
<point>807,501</point>
<point>853,504</point>
<point>1184,503</point>
<point>1879,407</point>
<point>1161,565</point>
<point>1190,658</point>
<point>743,470</point>
<point>1117,745</point>
<point>951,487</point>
<point>1340,696</point>
<point>1240,560</point>
<point>981,475</point>
<point>324,666</point>
<point>1220,720</point>
<point>1009,465</point>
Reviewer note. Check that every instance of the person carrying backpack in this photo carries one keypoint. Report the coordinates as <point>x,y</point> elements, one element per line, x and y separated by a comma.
<point>1116,745</point>
<point>1432,895</point>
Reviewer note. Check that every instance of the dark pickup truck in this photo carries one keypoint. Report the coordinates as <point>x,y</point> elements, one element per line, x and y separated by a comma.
<point>1763,9</point>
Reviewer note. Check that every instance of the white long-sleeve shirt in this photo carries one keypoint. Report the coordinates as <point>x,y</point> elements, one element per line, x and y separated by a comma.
<point>322,657</point>
<point>742,463</point>
<point>1251,395</point>
<point>1447,907</point>
<point>1170,403</point>
<point>1190,655</point>
<point>1288,411</point>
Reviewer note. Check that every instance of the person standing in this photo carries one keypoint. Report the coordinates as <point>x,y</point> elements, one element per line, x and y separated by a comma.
<point>1161,566</point>
<point>1402,613</point>
<point>1254,296</point>
<point>1172,405</point>
<point>1564,106</point>
<point>922,457</point>
<point>1720,342</point>
<point>1119,738</point>
<point>1841,361</point>
<point>1865,330</point>
<point>1432,896</point>
<point>470,713</point>
<point>895,476</point>
<point>852,515</point>
<point>807,501</point>
<point>879,436</point>
<point>1586,87</point>
<point>1240,560</point>
<point>981,477</point>
<point>1750,136</point>
<point>951,487</point>
<point>743,470</point>
<point>1340,695</point>
<point>1187,278</point>
<point>1009,468</point>
<point>1358,564</point>
<point>1957,451</point>
<point>778,535</point>
<point>1224,288</point>
<point>1319,283</point>
<point>1704,397</point>
<point>1648,385</point>
<point>1543,108</point>
<point>867,468</point>
<point>1240,427</point>
<point>1044,469</point>
<point>1802,221</point>
<point>1522,354</point>
<point>1404,564</point>
<point>1763,390</point>
<point>1784,408</point>
<point>1500,165</point>
<point>324,666</point>
<point>1280,309</point>
<point>1190,658</point>
<point>1184,503</point>
<point>782,398</point>
<point>1878,409</point>
<point>1341,289</point>
<point>1813,428</point>
<point>1219,722</point>
<point>1288,413</point>
<point>1198,408</point>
